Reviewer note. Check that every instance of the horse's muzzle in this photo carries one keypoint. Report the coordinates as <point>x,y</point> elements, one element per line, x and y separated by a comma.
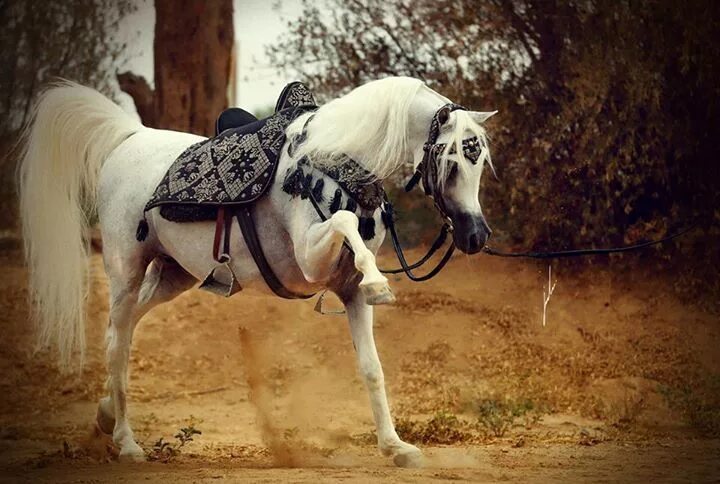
<point>470,233</point>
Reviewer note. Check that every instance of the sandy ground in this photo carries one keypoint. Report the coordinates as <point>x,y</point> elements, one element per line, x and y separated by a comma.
<point>604,392</point>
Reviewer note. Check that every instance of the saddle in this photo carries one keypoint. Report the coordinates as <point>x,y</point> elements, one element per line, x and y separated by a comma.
<point>221,177</point>
<point>236,167</point>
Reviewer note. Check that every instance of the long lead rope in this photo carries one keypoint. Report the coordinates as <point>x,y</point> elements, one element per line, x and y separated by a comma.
<point>582,252</point>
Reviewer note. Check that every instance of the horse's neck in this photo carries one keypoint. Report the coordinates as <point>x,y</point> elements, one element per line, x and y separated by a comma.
<point>426,104</point>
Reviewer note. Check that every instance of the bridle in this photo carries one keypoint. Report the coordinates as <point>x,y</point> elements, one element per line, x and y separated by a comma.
<point>427,171</point>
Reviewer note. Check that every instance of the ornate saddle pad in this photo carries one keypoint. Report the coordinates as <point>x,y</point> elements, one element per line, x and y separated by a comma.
<point>235,167</point>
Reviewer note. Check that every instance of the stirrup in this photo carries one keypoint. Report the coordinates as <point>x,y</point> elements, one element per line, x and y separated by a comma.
<point>215,286</point>
<point>319,306</point>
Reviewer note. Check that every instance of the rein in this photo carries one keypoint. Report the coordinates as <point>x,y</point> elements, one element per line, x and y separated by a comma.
<point>388,220</point>
<point>427,172</point>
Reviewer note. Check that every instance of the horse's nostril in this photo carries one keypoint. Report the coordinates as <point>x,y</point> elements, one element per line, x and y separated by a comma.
<point>487,229</point>
<point>474,240</point>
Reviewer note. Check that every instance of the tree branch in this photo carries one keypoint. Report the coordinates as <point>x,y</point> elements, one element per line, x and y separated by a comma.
<point>521,28</point>
<point>143,96</point>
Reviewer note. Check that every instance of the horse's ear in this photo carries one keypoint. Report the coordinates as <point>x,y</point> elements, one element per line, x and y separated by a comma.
<point>480,117</point>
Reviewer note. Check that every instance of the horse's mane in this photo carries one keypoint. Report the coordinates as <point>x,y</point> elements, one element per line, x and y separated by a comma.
<point>369,124</point>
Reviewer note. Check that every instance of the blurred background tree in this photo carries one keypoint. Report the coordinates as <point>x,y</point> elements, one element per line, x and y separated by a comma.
<point>40,41</point>
<point>609,113</point>
<point>192,51</point>
<point>76,40</point>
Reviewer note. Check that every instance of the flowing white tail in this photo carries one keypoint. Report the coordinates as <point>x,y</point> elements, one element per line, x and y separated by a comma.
<point>73,131</point>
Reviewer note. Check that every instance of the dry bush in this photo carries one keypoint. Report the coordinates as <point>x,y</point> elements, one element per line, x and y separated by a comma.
<point>608,110</point>
<point>442,428</point>
<point>497,416</point>
<point>698,400</point>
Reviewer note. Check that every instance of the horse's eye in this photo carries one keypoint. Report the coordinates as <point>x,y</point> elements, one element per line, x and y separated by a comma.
<point>443,116</point>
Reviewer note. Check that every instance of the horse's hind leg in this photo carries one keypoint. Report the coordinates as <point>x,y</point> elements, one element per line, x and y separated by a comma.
<point>124,315</point>
<point>132,294</point>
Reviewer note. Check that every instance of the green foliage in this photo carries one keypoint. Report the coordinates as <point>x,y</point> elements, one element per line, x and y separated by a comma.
<point>496,417</point>
<point>68,39</point>
<point>164,451</point>
<point>42,41</point>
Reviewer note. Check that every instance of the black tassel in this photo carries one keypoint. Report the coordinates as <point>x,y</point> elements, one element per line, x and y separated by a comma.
<point>317,191</point>
<point>306,186</point>
<point>142,230</point>
<point>366,227</point>
<point>336,201</point>
<point>387,214</point>
<point>293,182</point>
<point>351,205</point>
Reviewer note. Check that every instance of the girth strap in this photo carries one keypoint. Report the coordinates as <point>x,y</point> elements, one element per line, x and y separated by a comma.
<point>247,226</point>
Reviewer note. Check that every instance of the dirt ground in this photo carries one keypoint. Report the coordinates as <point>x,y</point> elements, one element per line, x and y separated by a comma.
<point>622,384</point>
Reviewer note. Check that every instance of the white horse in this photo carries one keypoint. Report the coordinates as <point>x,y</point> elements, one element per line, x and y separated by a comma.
<point>83,152</point>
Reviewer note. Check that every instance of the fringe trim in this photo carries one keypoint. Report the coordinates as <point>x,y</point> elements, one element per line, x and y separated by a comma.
<point>305,191</point>
<point>293,182</point>
<point>336,201</point>
<point>351,205</point>
<point>142,230</point>
<point>317,191</point>
<point>366,227</point>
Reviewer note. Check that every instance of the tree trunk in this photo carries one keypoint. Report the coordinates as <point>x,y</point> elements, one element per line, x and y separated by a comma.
<point>192,53</point>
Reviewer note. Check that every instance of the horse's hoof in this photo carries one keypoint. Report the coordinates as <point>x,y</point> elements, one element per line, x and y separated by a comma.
<point>131,453</point>
<point>411,459</point>
<point>377,293</point>
<point>105,420</point>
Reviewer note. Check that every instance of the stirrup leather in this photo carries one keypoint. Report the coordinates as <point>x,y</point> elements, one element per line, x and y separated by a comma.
<point>226,284</point>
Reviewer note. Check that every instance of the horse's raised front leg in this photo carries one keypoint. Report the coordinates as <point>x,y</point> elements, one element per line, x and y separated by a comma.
<point>323,243</point>
<point>360,316</point>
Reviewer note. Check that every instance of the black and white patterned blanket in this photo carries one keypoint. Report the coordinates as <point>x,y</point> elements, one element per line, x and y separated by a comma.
<point>236,167</point>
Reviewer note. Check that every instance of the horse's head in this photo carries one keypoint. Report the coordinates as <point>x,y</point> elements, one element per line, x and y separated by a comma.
<point>450,165</point>
<point>385,123</point>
